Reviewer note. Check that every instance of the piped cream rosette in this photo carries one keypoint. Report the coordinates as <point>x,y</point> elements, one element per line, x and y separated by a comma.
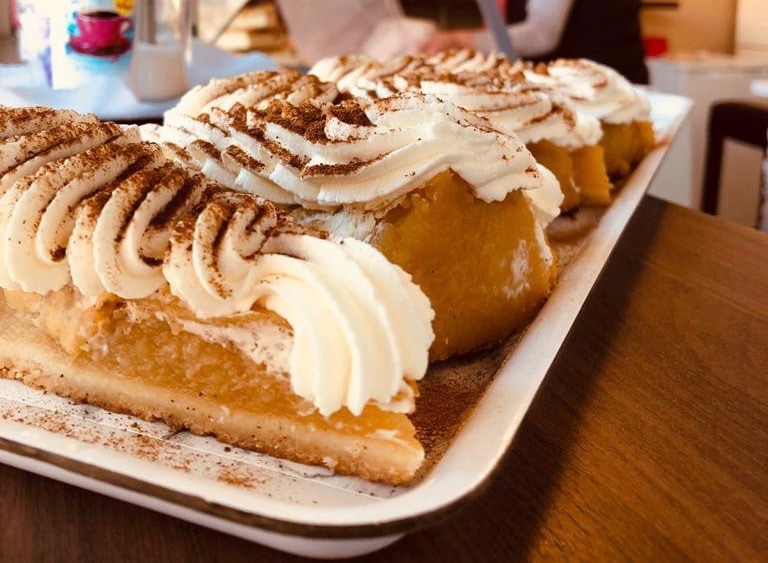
<point>358,153</point>
<point>254,89</point>
<point>488,85</point>
<point>594,89</point>
<point>110,215</point>
<point>358,322</point>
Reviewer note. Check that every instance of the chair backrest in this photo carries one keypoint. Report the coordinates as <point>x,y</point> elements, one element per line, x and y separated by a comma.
<point>762,217</point>
<point>741,120</point>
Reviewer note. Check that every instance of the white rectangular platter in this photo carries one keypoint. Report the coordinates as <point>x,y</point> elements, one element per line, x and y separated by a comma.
<point>307,510</point>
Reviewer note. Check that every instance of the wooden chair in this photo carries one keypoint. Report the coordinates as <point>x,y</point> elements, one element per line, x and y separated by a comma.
<point>741,120</point>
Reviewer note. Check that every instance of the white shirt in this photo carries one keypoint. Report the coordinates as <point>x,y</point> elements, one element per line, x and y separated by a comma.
<point>540,32</point>
<point>376,28</point>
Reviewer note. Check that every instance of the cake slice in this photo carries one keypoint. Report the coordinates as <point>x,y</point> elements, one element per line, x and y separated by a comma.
<point>600,91</point>
<point>563,139</point>
<point>459,205</point>
<point>133,284</point>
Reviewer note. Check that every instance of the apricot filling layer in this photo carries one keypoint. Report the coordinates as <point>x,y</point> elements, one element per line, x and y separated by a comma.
<point>560,162</point>
<point>625,145</point>
<point>484,266</point>
<point>581,172</point>
<point>589,173</point>
<point>187,373</point>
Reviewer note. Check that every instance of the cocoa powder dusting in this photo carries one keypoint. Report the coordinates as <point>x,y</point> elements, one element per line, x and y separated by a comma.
<point>13,118</point>
<point>337,169</point>
<point>298,119</point>
<point>180,200</point>
<point>350,112</point>
<point>284,154</point>
<point>206,147</point>
<point>449,393</point>
<point>243,159</point>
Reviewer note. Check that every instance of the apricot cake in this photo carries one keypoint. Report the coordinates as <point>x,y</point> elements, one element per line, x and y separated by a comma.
<point>600,91</point>
<point>132,283</point>
<point>561,138</point>
<point>458,204</point>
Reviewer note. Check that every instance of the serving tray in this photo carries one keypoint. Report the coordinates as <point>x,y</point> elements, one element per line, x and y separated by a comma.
<point>467,416</point>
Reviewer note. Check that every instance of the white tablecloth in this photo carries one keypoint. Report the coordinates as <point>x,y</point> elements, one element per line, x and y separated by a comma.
<point>110,98</point>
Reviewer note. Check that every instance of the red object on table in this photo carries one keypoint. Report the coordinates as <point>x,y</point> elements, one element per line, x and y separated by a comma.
<point>655,46</point>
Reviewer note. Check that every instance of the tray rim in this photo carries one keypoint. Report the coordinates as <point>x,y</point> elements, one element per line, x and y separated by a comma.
<point>404,512</point>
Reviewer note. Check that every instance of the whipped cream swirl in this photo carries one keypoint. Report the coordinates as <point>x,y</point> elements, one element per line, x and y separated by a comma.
<point>119,219</point>
<point>343,71</point>
<point>483,84</point>
<point>364,153</point>
<point>468,60</point>
<point>531,112</point>
<point>23,154</point>
<point>595,89</point>
<point>362,307</point>
<point>37,210</point>
<point>121,235</point>
<point>23,121</point>
<point>254,89</point>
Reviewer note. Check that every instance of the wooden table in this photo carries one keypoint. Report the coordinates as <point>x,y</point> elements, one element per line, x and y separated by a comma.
<point>649,438</point>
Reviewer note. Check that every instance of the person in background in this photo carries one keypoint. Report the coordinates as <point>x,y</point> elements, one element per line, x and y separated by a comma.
<point>606,31</point>
<point>377,28</point>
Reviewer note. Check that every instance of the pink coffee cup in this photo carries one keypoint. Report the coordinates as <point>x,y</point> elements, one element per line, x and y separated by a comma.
<point>101,28</point>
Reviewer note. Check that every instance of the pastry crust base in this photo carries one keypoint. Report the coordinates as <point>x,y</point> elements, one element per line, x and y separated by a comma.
<point>27,354</point>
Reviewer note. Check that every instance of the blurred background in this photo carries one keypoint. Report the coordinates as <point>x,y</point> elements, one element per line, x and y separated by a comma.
<point>710,51</point>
